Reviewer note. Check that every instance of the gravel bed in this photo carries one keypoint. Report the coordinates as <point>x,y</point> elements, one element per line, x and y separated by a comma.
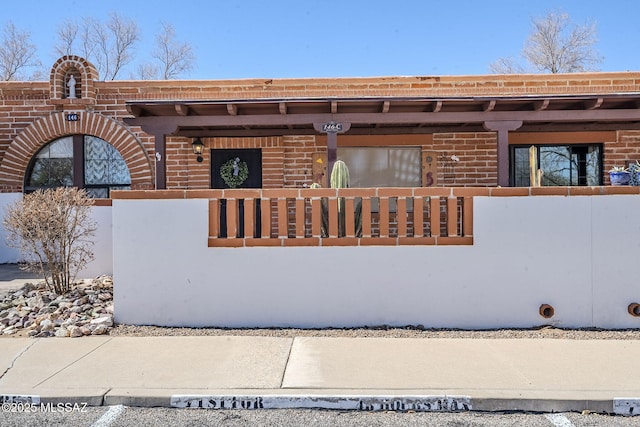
<point>383,332</point>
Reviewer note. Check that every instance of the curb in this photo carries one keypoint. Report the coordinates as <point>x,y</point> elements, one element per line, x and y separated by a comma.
<point>369,403</point>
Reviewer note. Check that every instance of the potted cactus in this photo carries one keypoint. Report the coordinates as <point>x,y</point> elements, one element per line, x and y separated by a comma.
<point>619,175</point>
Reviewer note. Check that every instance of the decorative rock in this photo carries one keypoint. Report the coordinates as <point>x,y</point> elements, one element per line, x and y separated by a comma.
<point>37,301</point>
<point>99,330</point>
<point>102,321</point>
<point>75,332</point>
<point>61,332</point>
<point>46,325</point>
<point>39,312</point>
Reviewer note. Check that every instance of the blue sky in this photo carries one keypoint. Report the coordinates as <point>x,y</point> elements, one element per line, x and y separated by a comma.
<point>340,38</point>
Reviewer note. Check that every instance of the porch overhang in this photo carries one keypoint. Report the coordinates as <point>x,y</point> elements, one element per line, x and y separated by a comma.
<point>380,116</point>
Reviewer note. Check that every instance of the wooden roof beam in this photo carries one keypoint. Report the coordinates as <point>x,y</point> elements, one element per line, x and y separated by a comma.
<point>134,110</point>
<point>592,104</point>
<point>282,107</point>
<point>489,106</point>
<point>541,105</point>
<point>182,109</point>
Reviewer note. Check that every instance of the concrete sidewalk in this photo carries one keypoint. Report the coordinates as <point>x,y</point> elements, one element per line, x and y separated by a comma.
<point>342,373</point>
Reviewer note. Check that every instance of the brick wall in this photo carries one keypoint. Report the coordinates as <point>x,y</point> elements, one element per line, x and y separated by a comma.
<point>32,114</point>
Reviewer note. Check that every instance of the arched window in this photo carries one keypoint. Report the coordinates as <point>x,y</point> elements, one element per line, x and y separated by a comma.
<point>82,161</point>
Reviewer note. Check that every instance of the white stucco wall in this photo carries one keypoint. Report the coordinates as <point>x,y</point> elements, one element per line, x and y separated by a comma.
<point>527,251</point>
<point>7,253</point>
<point>103,240</point>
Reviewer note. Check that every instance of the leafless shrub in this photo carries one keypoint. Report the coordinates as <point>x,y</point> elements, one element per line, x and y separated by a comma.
<point>53,229</point>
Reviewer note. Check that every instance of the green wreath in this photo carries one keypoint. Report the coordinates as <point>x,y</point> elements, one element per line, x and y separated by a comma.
<point>234,172</point>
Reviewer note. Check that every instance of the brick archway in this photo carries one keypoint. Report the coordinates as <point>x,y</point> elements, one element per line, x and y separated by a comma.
<point>19,153</point>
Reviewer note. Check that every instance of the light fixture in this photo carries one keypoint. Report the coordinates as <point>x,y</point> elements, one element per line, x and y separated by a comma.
<point>198,149</point>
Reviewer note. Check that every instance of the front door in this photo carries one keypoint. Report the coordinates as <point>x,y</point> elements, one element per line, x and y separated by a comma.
<point>237,168</point>
<point>229,167</point>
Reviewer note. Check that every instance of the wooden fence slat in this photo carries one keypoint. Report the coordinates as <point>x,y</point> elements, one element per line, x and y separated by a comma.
<point>316,217</point>
<point>333,217</point>
<point>384,217</point>
<point>249,209</point>
<point>300,216</point>
<point>418,217</point>
<point>467,216</point>
<point>434,216</point>
<point>282,221</point>
<point>366,217</point>
<point>265,213</point>
<point>232,218</point>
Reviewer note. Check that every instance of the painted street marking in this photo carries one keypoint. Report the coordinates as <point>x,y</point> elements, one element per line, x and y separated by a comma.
<point>357,403</point>
<point>109,417</point>
<point>20,398</point>
<point>559,420</point>
<point>626,406</point>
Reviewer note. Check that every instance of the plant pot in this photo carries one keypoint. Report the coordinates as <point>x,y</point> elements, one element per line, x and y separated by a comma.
<point>619,178</point>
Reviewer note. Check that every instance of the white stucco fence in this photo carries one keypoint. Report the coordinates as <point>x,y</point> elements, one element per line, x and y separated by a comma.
<point>578,254</point>
<point>102,248</point>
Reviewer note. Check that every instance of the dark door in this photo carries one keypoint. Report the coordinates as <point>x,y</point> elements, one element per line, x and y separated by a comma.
<point>222,159</point>
<point>222,163</point>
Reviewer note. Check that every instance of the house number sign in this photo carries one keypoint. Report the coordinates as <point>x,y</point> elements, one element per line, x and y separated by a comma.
<point>332,127</point>
<point>72,117</point>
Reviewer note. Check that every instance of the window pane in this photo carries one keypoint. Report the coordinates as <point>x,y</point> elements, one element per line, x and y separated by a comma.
<point>382,166</point>
<point>103,164</point>
<point>521,167</point>
<point>561,164</point>
<point>104,167</point>
<point>53,165</point>
<point>557,167</point>
<point>593,166</point>
<point>60,148</point>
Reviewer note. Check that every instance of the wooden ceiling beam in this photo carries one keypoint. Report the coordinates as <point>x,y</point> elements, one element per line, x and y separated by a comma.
<point>490,106</point>
<point>391,119</point>
<point>232,109</point>
<point>592,104</point>
<point>182,109</point>
<point>134,110</point>
<point>541,105</point>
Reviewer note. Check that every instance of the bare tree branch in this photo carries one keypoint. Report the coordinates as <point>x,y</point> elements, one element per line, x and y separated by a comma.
<point>147,71</point>
<point>175,57</point>
<point>556,46</point>
<point>17,53</point>
<point>67,34</point>
<point>506,66</point>
<point>125,34</point>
